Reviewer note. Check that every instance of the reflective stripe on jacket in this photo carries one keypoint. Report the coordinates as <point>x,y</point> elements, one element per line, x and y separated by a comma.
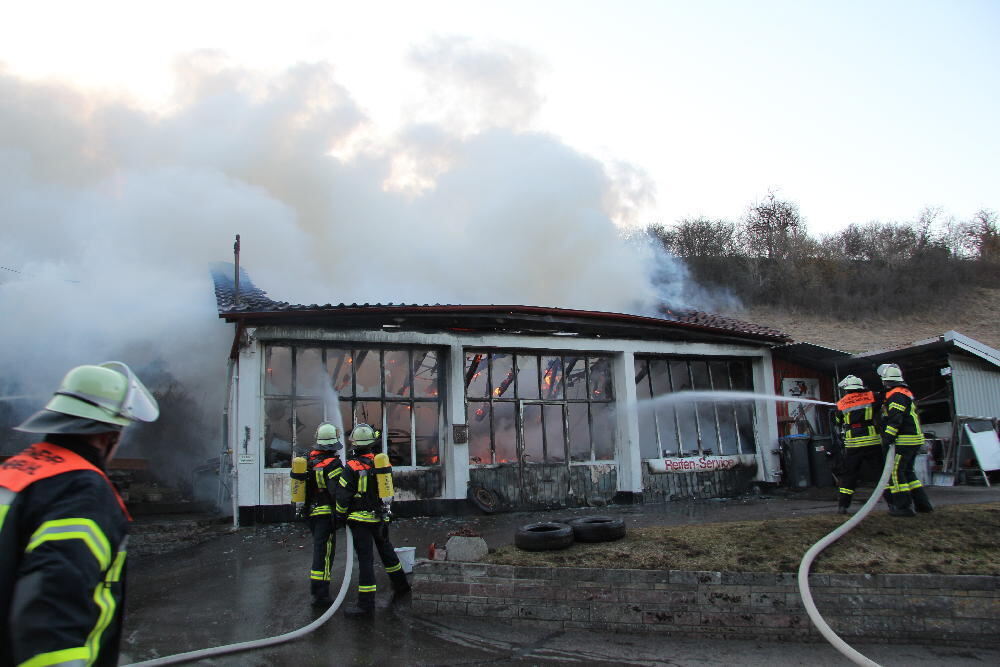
<point>857,417</point>
<point>324,472</point>
<point>900,422</point>
<point>357,492</point>
<point>62,558</point>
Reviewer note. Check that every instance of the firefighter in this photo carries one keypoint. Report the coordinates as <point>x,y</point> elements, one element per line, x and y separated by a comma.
<point>321,478</point>
<point>63,525</point>
<point>901,425</point>
<point>862,444</point>
<point>359,504</point>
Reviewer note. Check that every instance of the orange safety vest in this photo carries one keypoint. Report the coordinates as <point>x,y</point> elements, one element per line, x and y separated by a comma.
<point>42,460</point>
<point>855,400</point>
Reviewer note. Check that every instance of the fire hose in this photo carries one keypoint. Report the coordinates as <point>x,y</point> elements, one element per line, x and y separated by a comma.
<point>814,615</point>
<point>266,641</point>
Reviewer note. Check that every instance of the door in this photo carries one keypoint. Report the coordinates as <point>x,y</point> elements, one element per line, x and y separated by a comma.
<point>542,452</point>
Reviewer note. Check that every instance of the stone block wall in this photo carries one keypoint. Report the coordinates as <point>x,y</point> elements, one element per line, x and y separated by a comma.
<point>924,609</point>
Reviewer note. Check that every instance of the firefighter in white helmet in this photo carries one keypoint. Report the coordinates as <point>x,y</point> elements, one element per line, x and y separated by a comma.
<point>63,524</point>
<point>358,502</point>
<point>862,444</point>
<point>321,477</point>
<point>901,426</point>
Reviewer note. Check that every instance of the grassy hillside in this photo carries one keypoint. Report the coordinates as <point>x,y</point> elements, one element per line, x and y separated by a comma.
<point>977,316</point>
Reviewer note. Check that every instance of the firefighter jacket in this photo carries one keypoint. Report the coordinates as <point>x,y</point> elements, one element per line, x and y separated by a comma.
<point>321,482</point>
<point>357,491</point>
<point>900,422</point>
<point>62,557</point>
<point>857,418</point>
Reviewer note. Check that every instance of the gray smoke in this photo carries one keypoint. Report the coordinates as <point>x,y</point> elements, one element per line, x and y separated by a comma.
<point>111,213</point>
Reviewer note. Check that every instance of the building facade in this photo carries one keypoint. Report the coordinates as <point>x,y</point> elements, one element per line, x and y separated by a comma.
<point>506,407</point>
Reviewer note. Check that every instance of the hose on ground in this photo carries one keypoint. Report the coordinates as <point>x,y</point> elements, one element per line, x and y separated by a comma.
<point>267,641</point>
<point>814,615</point>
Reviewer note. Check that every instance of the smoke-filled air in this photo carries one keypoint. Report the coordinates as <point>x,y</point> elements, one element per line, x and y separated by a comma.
<point>111,214</point>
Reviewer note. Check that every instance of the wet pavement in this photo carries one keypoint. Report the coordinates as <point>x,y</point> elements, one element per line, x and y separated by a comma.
<point>253,583</point>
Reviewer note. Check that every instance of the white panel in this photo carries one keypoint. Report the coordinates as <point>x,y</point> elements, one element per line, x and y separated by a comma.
<point>627,429</point>
<point>245,436</point>
<point>976,386</point>
<point>456,457</point>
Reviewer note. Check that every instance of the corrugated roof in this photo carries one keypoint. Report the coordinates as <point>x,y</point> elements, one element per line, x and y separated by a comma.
<point>254,303</point>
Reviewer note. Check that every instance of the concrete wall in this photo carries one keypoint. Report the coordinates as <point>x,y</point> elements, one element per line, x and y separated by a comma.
<point>923,609</point>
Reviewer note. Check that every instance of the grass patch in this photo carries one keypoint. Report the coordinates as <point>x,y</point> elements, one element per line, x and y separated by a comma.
<point>955,539</point>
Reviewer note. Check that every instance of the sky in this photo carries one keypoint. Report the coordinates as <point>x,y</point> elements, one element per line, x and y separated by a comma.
<point>857,111</point>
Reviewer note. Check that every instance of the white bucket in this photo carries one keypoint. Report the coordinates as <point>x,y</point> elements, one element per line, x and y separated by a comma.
<point>406,556</point>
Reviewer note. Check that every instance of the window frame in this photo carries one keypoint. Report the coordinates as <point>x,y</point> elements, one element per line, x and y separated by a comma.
<point>518,402</point>
<point>738,416</point>
<point>352,348</point>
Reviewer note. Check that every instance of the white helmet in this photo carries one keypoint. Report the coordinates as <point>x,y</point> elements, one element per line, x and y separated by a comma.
<point>328,437</point>
<point>95,399</point>
<point>851,383</point>
<point>364,436</point>
<point>890,373</point>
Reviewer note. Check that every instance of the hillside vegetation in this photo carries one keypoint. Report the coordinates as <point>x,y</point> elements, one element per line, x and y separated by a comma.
<point>975,313</point>
<point>870,286</point>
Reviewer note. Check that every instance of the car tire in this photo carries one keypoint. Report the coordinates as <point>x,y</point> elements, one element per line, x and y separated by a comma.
<point>543,536</point>
<point>485,500</point>
<point>597,529</point>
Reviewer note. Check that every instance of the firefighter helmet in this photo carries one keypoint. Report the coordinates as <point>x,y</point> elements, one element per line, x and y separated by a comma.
<point>364,436</point>
<point>328,437</point>
<point>851,383</point>
<point>890,373</point>
<point>94,399</point>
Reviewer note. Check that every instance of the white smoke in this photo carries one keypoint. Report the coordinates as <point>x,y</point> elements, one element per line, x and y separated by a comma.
<point>111,214</point>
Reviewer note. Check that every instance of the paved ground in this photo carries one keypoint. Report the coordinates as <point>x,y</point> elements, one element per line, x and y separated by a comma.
<point>252,583</point>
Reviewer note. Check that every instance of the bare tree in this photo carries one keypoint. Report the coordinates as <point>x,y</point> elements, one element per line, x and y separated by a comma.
<point>700,237</point>
<point>984,235</point>
<point>771,226</point>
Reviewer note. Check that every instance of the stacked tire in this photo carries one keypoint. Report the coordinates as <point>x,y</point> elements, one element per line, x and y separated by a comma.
<point>552,535</point>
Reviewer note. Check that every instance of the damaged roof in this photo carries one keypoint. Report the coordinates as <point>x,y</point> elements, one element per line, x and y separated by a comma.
<point>253,306</point>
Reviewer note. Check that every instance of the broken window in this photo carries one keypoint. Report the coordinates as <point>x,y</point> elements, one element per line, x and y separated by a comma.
<point>396,365</point>
<point>278,370</point>
<point>547,408</point>
<point>693,428</point>
<point>397,391</point>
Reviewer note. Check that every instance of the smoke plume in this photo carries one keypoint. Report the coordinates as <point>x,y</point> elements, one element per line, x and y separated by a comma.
<point>112,213</point>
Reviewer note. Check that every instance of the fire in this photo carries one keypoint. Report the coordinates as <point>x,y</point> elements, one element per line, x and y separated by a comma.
<point>434,459</point>
<point>496,392</point>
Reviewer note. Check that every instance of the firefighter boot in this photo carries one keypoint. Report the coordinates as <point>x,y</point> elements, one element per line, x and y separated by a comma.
<point>320,593</point>
<point>843,502</point>
<point>920,500</point>
<point>900,504</point>
<point>365,607</point>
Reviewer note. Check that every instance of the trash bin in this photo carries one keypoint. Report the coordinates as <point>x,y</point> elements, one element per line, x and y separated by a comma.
<point>795,460</point>
<point>820,461</point>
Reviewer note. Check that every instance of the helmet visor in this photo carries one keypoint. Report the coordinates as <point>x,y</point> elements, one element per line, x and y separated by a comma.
<point>138,403</point>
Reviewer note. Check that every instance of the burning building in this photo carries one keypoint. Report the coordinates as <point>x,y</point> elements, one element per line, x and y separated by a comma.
<point>511,407</point>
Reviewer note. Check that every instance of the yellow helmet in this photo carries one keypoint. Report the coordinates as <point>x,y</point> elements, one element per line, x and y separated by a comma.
<point>91,398</point>
<point>328,437</point>
<point>364,436</point>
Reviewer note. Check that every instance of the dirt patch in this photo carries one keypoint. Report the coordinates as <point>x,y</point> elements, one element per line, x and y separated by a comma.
<point>957,539</point>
